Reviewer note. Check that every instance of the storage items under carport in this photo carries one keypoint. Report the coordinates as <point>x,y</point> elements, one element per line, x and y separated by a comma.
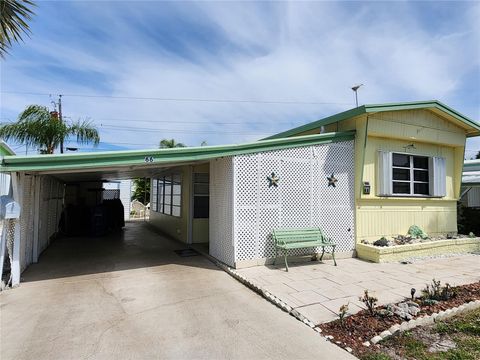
<point>91,210</point>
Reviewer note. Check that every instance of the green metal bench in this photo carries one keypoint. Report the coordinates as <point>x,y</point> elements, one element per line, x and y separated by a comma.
<point>286,239</point>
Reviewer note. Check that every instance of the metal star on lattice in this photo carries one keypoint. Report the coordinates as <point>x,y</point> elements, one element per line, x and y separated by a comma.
<point>332,180</point>
<point>273,180</point>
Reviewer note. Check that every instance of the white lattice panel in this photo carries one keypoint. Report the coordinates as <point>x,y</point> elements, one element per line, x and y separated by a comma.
<point>302,198</point>
<point>221,210</point>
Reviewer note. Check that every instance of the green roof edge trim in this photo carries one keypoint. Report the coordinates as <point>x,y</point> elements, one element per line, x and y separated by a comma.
<point>96,160</point>
<point>372,108</point>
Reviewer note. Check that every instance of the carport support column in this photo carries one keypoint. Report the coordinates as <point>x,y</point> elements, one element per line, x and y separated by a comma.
<point>17,179</point>
<point>36,216</point>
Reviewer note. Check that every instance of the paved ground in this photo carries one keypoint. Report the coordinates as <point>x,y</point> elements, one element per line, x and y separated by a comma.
<point>317,290</point>
<point>130,297</point>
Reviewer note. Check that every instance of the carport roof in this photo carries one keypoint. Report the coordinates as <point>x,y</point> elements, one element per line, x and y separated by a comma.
<point>138,159</point>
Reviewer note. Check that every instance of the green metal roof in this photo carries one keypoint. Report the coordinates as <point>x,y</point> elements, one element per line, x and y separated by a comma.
<point>471,173</point>
<point>5,149</point>
<point>144,158</point>
<point>474,128</point>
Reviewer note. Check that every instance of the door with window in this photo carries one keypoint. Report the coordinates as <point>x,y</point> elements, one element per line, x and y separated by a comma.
<point>201,203</point>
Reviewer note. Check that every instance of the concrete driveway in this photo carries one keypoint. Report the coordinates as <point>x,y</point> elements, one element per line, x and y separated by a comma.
<point>130,296</point>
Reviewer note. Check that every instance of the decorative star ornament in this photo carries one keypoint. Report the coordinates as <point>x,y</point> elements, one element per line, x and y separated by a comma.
<point>273,180</point>
<point>332,180</point>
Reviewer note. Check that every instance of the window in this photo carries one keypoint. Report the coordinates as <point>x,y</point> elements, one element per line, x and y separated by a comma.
<point>411,175</point>
<point>201,195</point>
<point>167,195</point>
<point>153,201</point>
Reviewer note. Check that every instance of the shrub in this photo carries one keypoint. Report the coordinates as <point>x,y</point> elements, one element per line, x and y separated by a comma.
<point>369,301</point>
<point>342,312</point>
<point>435,291</point>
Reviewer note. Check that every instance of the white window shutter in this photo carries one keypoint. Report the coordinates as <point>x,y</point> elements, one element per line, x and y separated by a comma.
<point>437,176</point>
<point>384,173</point>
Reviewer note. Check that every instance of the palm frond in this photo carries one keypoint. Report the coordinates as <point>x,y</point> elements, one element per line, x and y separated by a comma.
<point>85,132</point>
<point>170,143</point>
<point>14,17</point>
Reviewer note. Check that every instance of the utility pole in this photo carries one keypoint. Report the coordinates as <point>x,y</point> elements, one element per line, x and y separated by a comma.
<point>60,118</point>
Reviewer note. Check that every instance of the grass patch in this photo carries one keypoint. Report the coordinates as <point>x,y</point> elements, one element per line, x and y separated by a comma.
<point>468,324</point>
<point>463,330</point>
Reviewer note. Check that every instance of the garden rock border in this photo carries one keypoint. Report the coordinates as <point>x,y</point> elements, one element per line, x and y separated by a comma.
<point>424,320</point>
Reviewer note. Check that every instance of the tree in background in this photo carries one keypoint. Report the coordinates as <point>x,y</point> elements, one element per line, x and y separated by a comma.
<point>170,143</point>
<point>14,15</point>
<point>141,190</point>
<point>40,128</point>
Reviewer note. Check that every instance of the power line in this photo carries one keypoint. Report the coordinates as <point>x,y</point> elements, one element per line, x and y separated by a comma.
<point>173,99</point>
<point>135,129</point>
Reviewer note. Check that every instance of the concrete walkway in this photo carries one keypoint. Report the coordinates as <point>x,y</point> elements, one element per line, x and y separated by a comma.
<point>131,297</point>
<point>317,290</point>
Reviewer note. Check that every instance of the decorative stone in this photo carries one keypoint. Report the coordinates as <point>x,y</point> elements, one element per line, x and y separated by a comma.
<point>318,330</point>
<point>411,324</point>
<point>366,343</point>
<point>385,334</point>
<point>375,339</point>
<point>348,349</point>
<point>404,326</point>
<point>329,337</point>
<point>394,328</point>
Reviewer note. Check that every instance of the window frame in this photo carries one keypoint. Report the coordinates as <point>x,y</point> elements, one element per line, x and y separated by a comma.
<point>163,183</point>
<point>411,168</point>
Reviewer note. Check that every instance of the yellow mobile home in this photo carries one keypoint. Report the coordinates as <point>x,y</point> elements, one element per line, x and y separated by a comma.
<point>408,165</point>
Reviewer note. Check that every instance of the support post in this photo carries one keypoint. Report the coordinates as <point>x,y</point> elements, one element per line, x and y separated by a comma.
<point>36,217</point>
<point>17,196</point>
<point>3,246</point>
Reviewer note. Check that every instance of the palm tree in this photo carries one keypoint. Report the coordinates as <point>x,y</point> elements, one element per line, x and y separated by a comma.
<point>38,127</point>
<point>141,190</point>
<point>168,144</point>
<point>14,15</point>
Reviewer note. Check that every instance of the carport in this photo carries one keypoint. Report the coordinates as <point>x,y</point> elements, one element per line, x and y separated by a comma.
<point>239,221</point>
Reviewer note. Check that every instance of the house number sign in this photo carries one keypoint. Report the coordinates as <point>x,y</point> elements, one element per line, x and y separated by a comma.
<point>148,159</point>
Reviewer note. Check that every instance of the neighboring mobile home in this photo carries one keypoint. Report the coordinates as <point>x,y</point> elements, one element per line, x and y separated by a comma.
<point>364,173</point>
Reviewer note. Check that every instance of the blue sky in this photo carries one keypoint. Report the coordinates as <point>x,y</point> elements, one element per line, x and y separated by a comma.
<point>310,52</point>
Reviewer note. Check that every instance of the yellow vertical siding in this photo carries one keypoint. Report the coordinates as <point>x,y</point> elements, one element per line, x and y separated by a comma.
<point>432,136</point>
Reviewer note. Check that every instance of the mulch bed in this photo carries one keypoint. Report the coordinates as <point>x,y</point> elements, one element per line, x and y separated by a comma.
<point>361,327</point>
